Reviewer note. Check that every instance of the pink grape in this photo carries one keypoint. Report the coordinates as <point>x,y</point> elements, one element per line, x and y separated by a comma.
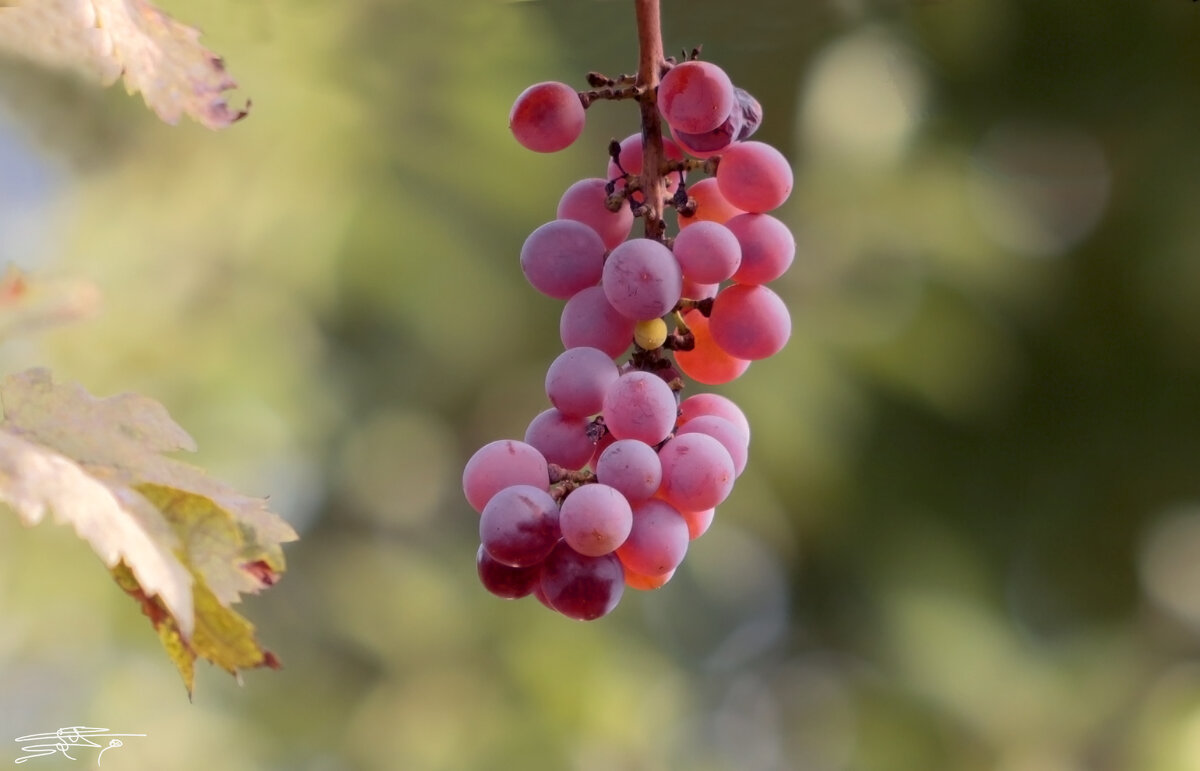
<point>658,541</point>
<point>713,404</point>
<point>563,439</point>
<point>711,205</point>
<point>640,405</point>
<point>698,522</point>
<point>562,257</point>
<point>504,581</point>
<point>519,526</point>
<point>707,362</point>
<point>645,583</point>
<point>708,252</point>
<point>754,177</point>
<point>767,247</point>
<point>732,438</point>
<point>595,519</point>
<point>502,464</point>
<point>695,291</point>
<point>631,467</point>
<point>578,379</point>
<point>698,472</point>
<point>750,322</point>
<point>584,202</point>
<point>547,117</point>
<point>641,279</point>
<point>589,320</point>
<point>695,97</point>
<point>581,587</point>
<point>631,156</point>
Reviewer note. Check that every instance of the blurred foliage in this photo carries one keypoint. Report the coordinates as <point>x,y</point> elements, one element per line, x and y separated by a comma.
<point>969,535</point>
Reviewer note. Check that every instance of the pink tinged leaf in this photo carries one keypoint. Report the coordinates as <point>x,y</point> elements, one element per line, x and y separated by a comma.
<point>163,59</point>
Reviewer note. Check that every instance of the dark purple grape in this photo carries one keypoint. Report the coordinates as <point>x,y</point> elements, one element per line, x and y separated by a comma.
<point>504,581</point>
<point>742,122</point>
<point>752,113</point>
<point>579,587</point>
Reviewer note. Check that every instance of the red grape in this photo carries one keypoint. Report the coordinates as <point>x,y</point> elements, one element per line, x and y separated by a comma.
<point>547,117</point>
<point>711,205</point>
<point>750,322</point>
<point>698,522</point>
<point>519,526</point>
<point>504,581</point>
<point>707,362</point>
<point>695,97</point>
<point>754,176</point>
<point>767,247</point>
<point>581,587</point>
<point>658,541</point>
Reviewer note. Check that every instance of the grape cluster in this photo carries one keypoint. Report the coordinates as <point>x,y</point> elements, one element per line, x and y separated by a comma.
<point>613,481</point>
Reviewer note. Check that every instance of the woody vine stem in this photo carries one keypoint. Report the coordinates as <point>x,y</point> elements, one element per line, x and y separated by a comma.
<point>650,64</point>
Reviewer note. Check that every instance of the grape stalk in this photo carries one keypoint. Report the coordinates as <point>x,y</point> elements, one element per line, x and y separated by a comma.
<point>613,481</point>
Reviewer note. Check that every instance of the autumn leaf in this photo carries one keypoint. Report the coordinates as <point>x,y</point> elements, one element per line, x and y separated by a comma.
<point>106,39</point>
<point>28,304</point>
<point>184,545</point>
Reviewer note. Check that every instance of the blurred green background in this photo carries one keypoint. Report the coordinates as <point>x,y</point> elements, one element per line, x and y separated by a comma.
<point>969,535</point>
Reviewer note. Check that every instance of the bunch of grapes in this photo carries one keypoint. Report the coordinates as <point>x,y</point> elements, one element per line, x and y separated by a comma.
<point>614,480</point>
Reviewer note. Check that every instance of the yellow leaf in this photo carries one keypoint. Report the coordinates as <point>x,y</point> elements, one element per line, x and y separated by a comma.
<point>107,39</point>
<point>185,545</point>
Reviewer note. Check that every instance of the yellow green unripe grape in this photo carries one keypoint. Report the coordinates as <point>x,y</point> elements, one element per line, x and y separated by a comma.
<point>650,334</point>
